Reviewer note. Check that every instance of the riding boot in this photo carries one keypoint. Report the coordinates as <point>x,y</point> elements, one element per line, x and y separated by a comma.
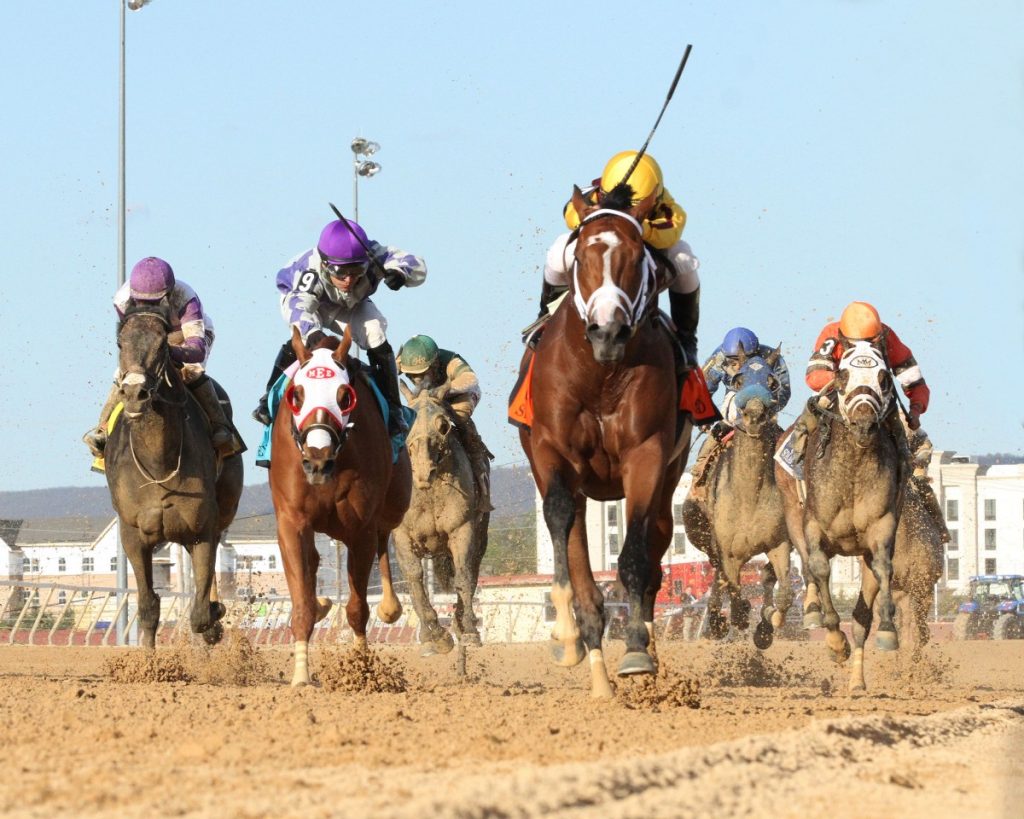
<point>480,460</point>
<point>685,311</point>
<point>285,358</point>
<point>384,372</point>
<point>802,429</point>
<point>706,456</point>
<point>221,434</point>
<point>96,439</point>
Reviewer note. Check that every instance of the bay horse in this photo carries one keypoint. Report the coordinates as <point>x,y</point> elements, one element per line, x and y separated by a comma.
<point>742,515</point>
<point>855,484</point>
<point>605,427</point>
<point>165,481</point>
<point>446,520</point>
<point>331,471</point>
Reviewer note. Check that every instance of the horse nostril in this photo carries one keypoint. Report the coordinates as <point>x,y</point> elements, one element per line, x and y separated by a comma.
<point>623,334</point>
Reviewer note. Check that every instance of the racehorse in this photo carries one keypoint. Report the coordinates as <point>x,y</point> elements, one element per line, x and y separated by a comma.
<point>332,472</point>
<point>165,480</point>
<point>604,426</point>
<point>743,514</point>
<point>445,520</point>
<point>855,483</point>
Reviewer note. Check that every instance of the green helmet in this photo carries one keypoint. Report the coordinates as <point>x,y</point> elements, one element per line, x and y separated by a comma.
<point>417,355</point>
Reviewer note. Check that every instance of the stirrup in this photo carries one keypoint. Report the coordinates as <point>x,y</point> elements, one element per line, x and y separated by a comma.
<point>262,413</point>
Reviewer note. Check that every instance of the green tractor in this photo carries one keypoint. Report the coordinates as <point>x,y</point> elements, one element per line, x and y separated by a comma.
<point>994,609</point>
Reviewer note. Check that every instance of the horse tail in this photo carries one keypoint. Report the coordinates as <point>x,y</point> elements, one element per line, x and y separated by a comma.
<point>444,571</point>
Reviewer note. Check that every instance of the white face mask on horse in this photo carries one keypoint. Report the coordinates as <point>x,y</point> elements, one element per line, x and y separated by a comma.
<point>320,388</point>
<point>863,379</point>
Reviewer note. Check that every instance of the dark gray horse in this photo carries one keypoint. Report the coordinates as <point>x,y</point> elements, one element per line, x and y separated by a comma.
<point>445,521</point>
<point>743,515</point>
<point>855,481</point>
<point>165,480</point>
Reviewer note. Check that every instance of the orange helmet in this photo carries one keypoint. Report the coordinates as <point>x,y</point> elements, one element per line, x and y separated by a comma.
<point>860,320</point>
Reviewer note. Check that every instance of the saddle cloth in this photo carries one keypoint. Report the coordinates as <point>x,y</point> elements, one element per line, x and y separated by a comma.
<point>694,398</point>
<point>98,464</point>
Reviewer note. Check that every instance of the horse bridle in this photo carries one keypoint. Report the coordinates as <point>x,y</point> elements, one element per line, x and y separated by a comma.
<point>633,308</point>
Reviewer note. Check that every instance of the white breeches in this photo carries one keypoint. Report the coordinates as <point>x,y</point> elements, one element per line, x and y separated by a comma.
<point>558,264</point>
<point>367,323</point>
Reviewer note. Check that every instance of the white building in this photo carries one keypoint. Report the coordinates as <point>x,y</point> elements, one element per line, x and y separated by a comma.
<point>984,508</point>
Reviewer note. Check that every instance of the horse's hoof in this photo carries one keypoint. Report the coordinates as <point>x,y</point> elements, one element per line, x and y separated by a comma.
<point>717,627</point>
<point>812,619</point>
<point>213,634</point>
<point>323,608</point>
<point>763,635</point>
<point>637,662</point>
<point>857,688</point>
<point>568,654</point>
<point>887,641</point>
<point>217,610</point>
<point>778,619</point>
<point>428,651</point>
<point>388,615</point>
<point>470,640</point>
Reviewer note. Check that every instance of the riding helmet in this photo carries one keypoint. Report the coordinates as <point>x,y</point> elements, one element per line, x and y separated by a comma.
<point>740,338</point>
<point>151,279</point>
<point>645,179</point>
<point>339,245</point>
<point>859,321</point>
<point>417,355</point>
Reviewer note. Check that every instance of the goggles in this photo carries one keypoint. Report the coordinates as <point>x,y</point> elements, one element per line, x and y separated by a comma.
<point>343,270</point>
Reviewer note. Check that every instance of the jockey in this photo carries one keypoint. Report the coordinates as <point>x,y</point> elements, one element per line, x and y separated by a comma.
<point>329,287</point>
<point>426,366</point>
<point>661,231</point>
<point>721,368</point>
<point>860,322</point>
<point>191,341</point>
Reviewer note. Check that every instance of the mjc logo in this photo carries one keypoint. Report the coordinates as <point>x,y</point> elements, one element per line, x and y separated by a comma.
<point>865,361</point>
<point>320,372</point>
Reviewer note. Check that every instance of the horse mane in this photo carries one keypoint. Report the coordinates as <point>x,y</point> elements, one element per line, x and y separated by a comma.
<point>618,198</point>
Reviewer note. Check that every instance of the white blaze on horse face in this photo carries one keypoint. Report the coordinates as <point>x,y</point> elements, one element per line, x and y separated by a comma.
<point>607,298</point>
<point>318,438</point>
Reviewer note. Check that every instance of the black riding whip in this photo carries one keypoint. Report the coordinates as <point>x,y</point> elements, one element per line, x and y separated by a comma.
<point>671,91</point>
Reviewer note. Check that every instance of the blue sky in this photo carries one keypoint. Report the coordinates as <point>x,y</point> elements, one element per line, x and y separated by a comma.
<point>824,152</point>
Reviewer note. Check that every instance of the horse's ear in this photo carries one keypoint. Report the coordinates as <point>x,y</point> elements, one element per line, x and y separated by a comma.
<point>301,353</point>
<point>742,356</point>
<point>439,393</point>
<point>405,391</point>
<point>774,355</point>
<point>341,353</point>
<point>582,207</point>
<point>642,209</point>
<point>844,342</point>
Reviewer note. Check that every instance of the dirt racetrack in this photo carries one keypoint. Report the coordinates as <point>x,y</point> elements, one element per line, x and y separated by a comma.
<point>726,731</point>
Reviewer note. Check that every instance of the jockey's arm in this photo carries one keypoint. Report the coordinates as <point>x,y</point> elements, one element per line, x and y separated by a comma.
<point>464,389</point>
<point>907,372</point>
<point>411,268</point>
<point>301,291</point>
<point>664,227</point>
<point>193,349</point>
<point>714,370</point>
<point>821,369</point>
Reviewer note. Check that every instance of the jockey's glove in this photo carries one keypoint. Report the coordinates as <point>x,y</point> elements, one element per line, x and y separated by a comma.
<point>394,279</point>
<point>914,416</point>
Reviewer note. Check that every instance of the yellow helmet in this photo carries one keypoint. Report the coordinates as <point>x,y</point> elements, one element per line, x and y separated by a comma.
<point>645,179</point>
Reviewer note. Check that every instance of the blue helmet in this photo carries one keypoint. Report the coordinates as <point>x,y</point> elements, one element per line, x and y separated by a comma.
<point>740,338</point>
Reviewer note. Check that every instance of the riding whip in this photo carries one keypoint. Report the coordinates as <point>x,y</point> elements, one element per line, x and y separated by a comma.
<point>671,91</point>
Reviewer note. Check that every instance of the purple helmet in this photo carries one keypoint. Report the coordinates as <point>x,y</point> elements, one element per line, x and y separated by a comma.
<point>337,245</point>
<point>151,279</point>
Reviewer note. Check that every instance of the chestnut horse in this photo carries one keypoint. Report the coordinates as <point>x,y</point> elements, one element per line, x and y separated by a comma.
<point>332,472</point>
<point>604,426</point>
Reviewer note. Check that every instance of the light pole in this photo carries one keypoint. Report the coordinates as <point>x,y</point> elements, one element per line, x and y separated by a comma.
<point>362,167</point>
<point>122,561</point>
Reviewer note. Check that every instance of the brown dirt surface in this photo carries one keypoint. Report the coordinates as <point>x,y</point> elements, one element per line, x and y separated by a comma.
<point>723,730</point>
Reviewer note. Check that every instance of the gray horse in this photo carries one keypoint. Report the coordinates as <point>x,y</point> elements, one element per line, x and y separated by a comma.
<point>445,521</point>
<point>165,480</point>
<point>743,514</point>
<point>855,483</point>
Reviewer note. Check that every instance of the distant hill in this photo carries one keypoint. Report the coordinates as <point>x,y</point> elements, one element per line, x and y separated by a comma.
<point>512,489</point>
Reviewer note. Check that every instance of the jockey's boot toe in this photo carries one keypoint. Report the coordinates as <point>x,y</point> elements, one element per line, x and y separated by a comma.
<point>262,412</point>
<point>96,440</point>
<point>223,441</point>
